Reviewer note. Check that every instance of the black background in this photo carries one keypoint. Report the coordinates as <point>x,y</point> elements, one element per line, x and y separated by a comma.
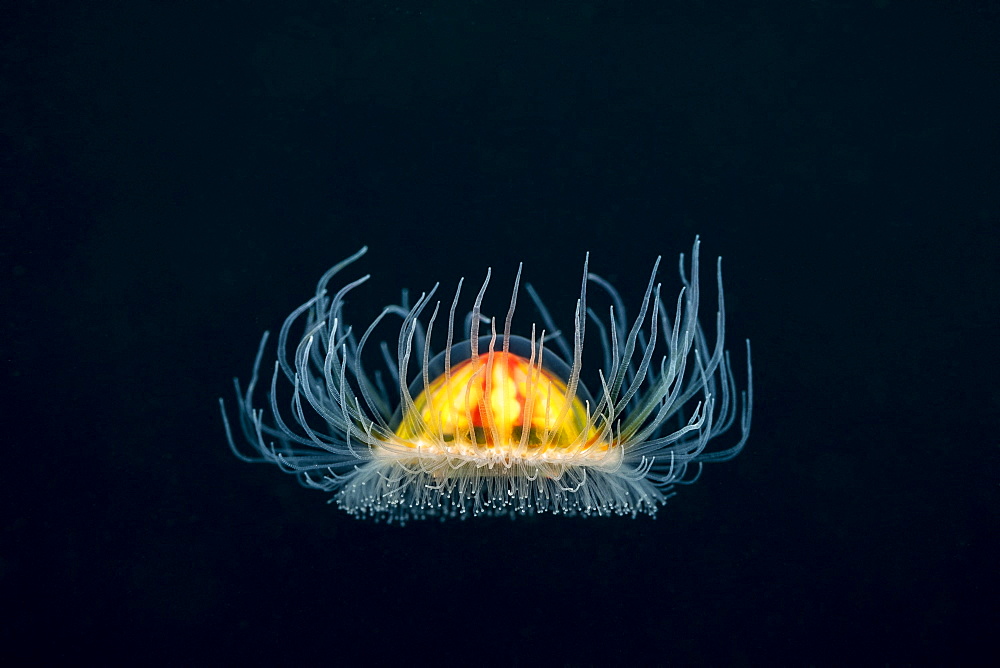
<point>176,176</point>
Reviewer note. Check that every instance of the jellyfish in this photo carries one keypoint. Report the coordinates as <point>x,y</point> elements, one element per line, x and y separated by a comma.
<point>493,422</point>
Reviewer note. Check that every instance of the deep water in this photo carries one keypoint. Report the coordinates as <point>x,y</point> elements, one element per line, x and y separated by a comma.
<point>176,177</point>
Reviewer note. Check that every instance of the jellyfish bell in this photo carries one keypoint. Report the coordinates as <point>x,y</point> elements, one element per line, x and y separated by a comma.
<point>497,406</point>
<point>497,423</point>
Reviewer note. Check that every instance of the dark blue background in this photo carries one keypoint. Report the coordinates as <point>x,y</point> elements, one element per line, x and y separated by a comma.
<point>176,176</point>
